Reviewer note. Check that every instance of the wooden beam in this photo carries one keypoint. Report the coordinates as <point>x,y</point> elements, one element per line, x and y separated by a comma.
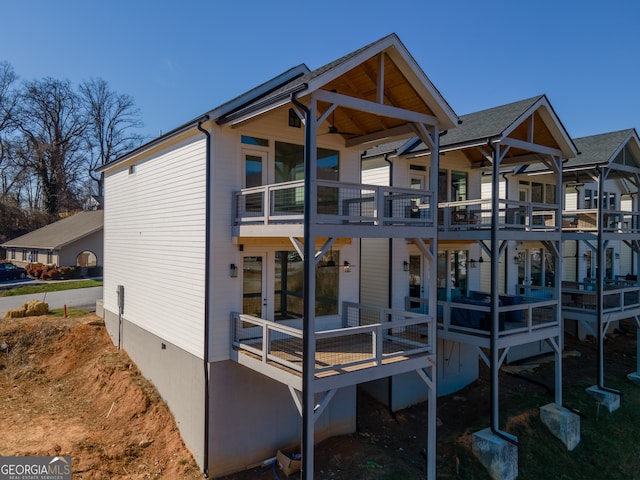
<point>380,82</point>
<point>374,108</point>
<point>533,147</point>
<point>386,135</point>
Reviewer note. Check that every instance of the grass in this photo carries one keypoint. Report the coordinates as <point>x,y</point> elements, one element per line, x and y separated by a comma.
<point>71,312</point>
<point>51,287</point>
<point>608,446</point>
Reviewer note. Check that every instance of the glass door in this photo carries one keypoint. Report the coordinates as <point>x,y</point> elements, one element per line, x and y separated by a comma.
<point>254,299</point>
<point>255,175</point>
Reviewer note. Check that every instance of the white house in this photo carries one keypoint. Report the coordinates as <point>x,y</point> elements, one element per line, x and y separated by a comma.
<point>499,243</point>
<point>601,236</point>
<point>232,271</point>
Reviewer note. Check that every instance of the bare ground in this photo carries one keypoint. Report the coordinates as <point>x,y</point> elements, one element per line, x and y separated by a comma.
<point>65,389</point>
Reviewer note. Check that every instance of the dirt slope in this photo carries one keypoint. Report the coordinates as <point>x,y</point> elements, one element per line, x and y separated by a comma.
<point>67,390</point>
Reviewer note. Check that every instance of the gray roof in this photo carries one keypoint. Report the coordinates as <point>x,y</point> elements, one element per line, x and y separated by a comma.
<point>58,234</point>
<point>599,149</point>
<point>489,123</point>
<point>484,124</point>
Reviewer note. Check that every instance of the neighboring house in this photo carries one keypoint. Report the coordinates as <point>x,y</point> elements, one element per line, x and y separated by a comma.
<point>499,241</point>
<point>601,236</point>
<point>73,241</point>
<point>232,272</point>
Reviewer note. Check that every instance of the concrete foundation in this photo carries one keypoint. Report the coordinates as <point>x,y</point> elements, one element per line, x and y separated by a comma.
<point>608,399</point>
<point>498,456</point>
<point>564,424</point>
<point>634,377</point>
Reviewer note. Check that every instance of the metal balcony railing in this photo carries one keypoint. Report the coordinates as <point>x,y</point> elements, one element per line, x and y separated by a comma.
<point>614,221</point>
<point>617,296</point>
<point>337,203</point>
<point>517,314</point>
<point>371,336</point>
<point>512,214</point>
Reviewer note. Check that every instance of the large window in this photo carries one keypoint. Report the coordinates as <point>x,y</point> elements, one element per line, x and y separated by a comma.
<point>452,268</point>
<point>289,275</point>
<point>289,163</point>
<point>453,190</point>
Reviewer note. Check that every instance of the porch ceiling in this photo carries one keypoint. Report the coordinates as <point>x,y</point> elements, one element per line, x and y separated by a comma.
<point>362,82</point>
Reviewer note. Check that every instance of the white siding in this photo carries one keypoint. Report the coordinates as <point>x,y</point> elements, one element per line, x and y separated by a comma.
<point>374,286</point>
<point>155,243</point>
<point>376,176</point>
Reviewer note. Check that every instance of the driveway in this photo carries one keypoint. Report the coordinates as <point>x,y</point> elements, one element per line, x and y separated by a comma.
<point>83,298</point>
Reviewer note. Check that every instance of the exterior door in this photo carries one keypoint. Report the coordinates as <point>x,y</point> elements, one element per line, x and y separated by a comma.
<point>254,285</point>
<point>416,282</point>
<point>255,175</point>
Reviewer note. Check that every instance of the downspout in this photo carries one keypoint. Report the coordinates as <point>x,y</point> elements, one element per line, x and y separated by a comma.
<point>506,250</point>
<point>307,335</point>
<point>207,289</point>
<point>495,324</point>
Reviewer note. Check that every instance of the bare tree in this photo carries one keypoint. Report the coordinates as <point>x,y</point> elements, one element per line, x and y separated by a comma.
<point>52,125</point>
<point>112,120</point>
<point>8,100</point>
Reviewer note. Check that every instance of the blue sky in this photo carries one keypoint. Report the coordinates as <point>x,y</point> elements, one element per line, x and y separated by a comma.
<point>181,59</point>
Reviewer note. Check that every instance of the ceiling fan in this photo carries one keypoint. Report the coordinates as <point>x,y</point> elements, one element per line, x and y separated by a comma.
<point>333,130</point>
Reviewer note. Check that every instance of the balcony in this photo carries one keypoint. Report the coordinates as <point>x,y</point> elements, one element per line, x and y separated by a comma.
<point>521,318</point>
<point>620,299</point>
<point>512,215</point>
<point>342,209</point>
<point>372,343</point>
<point>614,221</point>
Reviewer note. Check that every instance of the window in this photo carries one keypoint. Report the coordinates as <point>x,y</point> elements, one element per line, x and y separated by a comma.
<point>25,255</point>
<point>289,163</point>
<point>13,254</point>
<point>258,142</point>
<point>86,259</point>
<point>458,186</point>
<point>537,192</point>
<point>49,257</point>
<point>550,194</point>
<point>289,275</point>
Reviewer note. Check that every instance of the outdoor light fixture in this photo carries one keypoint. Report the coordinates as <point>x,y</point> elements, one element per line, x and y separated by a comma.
<point>516,259</point>
<point>346,266</point>
<point>472,263</point>
<point>405,266</point>
<point>617,255</point>
<point>233,270</point>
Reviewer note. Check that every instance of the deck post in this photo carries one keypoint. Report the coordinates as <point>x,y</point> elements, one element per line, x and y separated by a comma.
<point>495,276</point>
<point>309,284</point>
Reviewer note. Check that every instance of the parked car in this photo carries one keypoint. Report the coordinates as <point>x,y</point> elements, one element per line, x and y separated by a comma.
<point>8,271</point>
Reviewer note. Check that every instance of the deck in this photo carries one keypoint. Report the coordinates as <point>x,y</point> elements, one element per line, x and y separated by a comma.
<point>470,218</point>
<point>521,319</point>
<point>620,299</point>
<point>342,209</point>
<point>373,343</point>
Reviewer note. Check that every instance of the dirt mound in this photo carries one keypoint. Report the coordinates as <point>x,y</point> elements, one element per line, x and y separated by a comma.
<point>68,391</point>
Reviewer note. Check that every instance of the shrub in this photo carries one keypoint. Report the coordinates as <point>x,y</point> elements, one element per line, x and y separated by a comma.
<point>52,274</point>
<point>95,271</point>
<point>70,272</point>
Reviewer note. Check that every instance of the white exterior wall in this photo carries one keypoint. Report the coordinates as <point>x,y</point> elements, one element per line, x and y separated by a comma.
<point>155,243</point>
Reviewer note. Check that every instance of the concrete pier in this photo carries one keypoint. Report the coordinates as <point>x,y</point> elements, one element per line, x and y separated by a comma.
<point>498,456</point>
<point>563,423</point>
<point>608,399</point>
